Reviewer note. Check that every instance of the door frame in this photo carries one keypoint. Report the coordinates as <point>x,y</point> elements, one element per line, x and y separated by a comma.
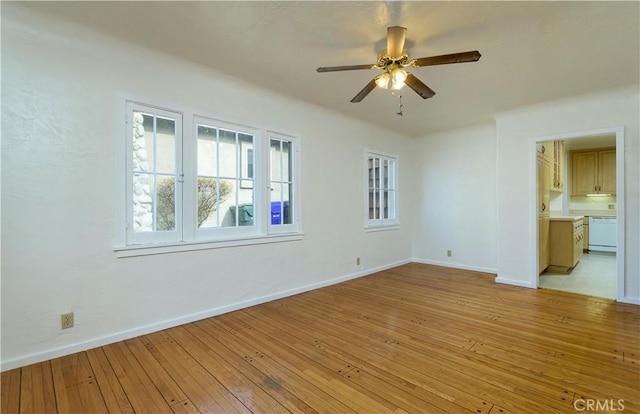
<point>620,197</point>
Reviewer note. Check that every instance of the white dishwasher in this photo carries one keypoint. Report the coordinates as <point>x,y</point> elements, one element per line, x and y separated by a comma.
<point>602,233</point>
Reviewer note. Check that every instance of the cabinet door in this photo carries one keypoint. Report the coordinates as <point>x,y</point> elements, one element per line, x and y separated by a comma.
<point>585,233</point>
<point>607,171</point>
<point>543,243</point>
<point>584,172</point>
<point>544,183</point>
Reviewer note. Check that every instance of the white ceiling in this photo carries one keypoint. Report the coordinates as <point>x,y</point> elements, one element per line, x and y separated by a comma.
<point>531,51</point>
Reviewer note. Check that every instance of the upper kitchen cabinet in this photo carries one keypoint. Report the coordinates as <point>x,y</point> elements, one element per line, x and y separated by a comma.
<point>593,171</point>
<point>557,166</point>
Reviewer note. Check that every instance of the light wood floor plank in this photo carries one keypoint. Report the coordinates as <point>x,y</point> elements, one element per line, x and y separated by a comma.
<point>10,391</point>
<point>114,396</point>
<point>37,394</point>
<point>413,339</point>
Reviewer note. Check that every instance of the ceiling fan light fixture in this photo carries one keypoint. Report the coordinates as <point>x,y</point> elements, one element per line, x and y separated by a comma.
<point>398,77</point>
<point>383,80</point>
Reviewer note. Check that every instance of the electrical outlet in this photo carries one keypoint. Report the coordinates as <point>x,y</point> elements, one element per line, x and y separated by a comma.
<point>66,320</point>
<point>449,253</point>
<point>357,261</point>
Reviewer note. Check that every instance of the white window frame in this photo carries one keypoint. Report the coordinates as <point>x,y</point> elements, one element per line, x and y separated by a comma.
<point>188,237</point>
<point>381,223</point>
<point>226,233</point>
<point>294,203</point>
<point>153,236</point>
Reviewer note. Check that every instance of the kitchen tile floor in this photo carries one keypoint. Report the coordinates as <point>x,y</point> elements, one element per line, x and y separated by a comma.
<point>594,275</point>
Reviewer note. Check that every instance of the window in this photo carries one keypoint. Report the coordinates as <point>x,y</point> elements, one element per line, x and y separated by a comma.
<point>381,210</point>
<point>224,187</point>
<point>280,181</point>
<point>154,159</point>
<point>201,184</point>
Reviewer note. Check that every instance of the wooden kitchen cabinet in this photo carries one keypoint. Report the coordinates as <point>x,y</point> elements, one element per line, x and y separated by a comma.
<point>556,163</point>
<point>593,171</point>
<point>543,205</point>
<point>566,238</point>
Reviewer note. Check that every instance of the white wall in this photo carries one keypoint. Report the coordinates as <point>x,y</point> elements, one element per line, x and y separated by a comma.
<point>516,130</point>
<point>456,198</point>
<point>59,86</point>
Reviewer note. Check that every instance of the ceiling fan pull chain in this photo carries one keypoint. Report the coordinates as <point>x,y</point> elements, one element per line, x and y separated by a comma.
<point>399,105</point>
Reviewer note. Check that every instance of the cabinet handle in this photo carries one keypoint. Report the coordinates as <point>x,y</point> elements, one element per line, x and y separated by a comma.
<point>544,207</point>
<point>543,149</point>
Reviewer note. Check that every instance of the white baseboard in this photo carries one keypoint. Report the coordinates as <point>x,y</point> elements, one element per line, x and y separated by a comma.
<point>456,266</point>
<point>630,300</point>
<point>170,323</point>
<point>515,282</point>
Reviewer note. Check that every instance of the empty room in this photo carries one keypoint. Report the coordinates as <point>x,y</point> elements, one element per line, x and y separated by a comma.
<point>320,207</point>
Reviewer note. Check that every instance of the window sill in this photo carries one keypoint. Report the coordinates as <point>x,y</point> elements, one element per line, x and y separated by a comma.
<point>176,247</point>
<point>381,228</point>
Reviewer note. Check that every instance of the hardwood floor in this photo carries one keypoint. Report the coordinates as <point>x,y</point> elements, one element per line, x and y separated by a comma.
<point>417,339</point>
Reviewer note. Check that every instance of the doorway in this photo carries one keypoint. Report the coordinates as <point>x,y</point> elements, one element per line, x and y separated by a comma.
<point>597,273</point>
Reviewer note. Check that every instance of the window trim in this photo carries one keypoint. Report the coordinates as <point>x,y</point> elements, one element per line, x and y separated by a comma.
<point>381,224</point>
<point>190,240</point>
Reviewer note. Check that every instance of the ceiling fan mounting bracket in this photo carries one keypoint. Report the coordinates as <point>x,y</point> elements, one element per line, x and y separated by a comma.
<point>384,60</point>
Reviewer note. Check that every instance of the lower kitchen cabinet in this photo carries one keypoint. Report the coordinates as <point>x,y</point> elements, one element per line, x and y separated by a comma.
<point>585,231</point>
<point>566,237</point>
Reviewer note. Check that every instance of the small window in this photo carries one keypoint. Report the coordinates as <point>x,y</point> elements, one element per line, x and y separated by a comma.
<point>381,196</point>
<point>282,183</point>
<point>154,171</point>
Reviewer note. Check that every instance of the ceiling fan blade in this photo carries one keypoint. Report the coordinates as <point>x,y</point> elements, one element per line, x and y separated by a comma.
<point>365,91</point>
<point>339,68</point>
<point>420,88</point>
<point>445,59</point>
<point>395,41</point>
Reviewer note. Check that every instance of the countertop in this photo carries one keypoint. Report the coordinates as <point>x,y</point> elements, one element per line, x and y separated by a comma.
<point>600,213</point>
<point>565,218</point>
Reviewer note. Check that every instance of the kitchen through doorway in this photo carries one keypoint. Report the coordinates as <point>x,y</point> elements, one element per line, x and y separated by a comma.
<point>577,183</point>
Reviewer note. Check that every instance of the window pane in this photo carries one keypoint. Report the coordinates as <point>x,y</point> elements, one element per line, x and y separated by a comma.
<point>209,198</point>
<point>385,174</point>
<point>246,153</point>
<point>275,156</point>
<point>228,151</point>
<point>143,187</point>
<point>286,161</point>
<point>371,204</point>
<point>207,151</point>
<point>376,173</point>
<point>166,203</point>
<point>391,205</point>
<point>287,217</point>
<point>144,146</point>
<point>165,151</point>
<point>229,207</point>
<point>392,175</point>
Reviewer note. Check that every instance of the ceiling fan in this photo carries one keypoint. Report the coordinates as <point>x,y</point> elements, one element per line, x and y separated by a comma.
<point>393,61</point>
